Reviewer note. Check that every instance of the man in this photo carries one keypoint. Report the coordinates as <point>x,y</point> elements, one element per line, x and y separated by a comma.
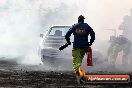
<point>80,31</point>
<point>118,44</point>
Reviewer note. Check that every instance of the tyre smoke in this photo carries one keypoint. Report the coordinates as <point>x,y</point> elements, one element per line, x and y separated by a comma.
<point>22,21</point>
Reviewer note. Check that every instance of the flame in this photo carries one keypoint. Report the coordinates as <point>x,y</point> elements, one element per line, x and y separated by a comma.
<point>81,71</point>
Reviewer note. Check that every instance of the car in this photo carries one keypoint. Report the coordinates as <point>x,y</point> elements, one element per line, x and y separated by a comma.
<point>50,43</point>
<point>49,48</point>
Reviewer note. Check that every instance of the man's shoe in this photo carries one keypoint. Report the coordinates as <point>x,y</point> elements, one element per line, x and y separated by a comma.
<point>81,79</point>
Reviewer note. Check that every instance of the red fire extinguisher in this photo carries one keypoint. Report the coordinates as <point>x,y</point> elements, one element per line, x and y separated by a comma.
<point>89,57</point>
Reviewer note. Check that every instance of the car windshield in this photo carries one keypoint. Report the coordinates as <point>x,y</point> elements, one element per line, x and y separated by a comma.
<point>58,31</point>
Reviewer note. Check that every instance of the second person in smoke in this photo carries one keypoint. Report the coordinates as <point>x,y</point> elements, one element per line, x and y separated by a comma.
<point>80,31</point>
<point>118,44</point>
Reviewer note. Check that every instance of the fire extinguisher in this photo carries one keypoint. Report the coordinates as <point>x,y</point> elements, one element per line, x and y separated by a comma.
<point>89,57</point>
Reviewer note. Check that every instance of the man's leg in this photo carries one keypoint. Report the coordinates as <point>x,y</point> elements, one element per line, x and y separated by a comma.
<point>113,55</point>
<point>126,51</point>
<point>77,55</point>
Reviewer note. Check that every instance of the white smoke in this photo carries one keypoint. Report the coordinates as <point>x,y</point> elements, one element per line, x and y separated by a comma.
<point>20,29</point>
<point>21,22</point>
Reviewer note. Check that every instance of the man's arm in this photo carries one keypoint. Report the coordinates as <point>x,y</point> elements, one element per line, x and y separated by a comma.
<point>92,34</point>
<point>68,34</point>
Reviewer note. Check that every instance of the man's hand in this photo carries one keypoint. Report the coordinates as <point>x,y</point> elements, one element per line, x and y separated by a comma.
<point>69,43</point>
<point>89,43</point>
<point>63,46</point>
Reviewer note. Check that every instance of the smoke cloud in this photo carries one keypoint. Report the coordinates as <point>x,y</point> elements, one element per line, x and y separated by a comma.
<point>21,22</point>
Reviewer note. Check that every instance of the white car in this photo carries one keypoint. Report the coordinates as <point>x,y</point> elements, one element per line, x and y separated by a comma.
<point>50,43</point>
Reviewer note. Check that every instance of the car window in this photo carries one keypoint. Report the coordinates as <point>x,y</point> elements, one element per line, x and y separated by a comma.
<point>58,31</point>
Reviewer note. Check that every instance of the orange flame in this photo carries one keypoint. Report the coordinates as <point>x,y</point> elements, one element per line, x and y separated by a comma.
<point>81,71</point>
